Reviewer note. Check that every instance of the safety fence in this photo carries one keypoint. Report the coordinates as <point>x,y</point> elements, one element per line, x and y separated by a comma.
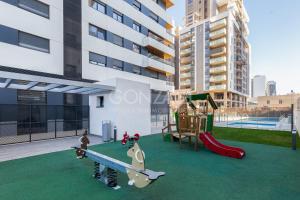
<point>265,118</point>
<point>27,123</point>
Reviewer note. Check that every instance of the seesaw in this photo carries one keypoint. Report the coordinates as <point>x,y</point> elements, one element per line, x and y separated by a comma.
<point>106,168</point>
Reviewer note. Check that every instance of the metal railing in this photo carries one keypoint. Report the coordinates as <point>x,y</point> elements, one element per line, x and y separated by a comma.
<point>256,118</point>
<point>27,123</point>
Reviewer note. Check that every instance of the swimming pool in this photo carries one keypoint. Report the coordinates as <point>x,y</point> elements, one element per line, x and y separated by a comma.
<point>252,124</point>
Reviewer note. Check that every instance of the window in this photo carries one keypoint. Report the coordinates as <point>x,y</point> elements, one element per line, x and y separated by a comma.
<point>35,7</point>
<point>136,48</point>
<point>136,5</point>
<point>97,59</point>
<point>100,102</point>
<point>268,102</point>
<point>97,32</point>
<point>153,16</point>
<point>280,101</point>
<point>153,74</point>
<point>118,65</point>
<point>34,42</point>
<point>118,16</point>
<point>117,40</point>
<point>98,6</point>
<point>136,70</point>
<point>136,27</point>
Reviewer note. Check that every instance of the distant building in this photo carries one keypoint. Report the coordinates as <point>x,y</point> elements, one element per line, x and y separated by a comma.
<point>271,88</point>
<point>279,101</point>
<point>258,86</point>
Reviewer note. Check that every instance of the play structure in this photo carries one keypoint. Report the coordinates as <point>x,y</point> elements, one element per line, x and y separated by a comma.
<point>194,119</point>
<point>106,168</point>
<point>129,139</point>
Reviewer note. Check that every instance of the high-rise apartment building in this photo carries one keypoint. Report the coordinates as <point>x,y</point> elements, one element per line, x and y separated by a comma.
<point>215,54</point>
<point>197,10</point>
<point>271,88</point>
<point>115,56</point>
<point>258,86</point>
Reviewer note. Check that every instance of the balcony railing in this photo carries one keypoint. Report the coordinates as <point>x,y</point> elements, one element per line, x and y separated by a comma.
<point>219,60</point>
<point>185,51</point>
<point>218,78</point>
<point>216,70</point>
<point>217,43</point>
<point>186,83</point>
<point>218,24</point>
<point>168,62</point>
<point>161,40</point>
<point>185,67</point>
<point>185,43</point>
<point>217,87</point>
<point>186,75</point>
<point>218,33</point>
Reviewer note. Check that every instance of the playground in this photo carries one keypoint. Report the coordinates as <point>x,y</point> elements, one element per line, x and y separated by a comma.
<point>267,172</point>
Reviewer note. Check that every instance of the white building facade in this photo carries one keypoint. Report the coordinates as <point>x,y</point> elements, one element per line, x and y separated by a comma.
<point>115,56</point>
<point>258,86</point>
<point>215,54</point>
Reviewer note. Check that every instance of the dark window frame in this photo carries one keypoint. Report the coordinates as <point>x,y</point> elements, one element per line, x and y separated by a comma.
<point>28,46</point>
<point>33,11</point>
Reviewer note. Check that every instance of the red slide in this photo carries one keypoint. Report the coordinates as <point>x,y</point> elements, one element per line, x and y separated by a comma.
<point>212,144</point>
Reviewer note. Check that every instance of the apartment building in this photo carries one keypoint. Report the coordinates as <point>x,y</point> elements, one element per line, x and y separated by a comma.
<point>115,57</point>
<point>198,10</point>
<point>271,88</point>
<point>215,54</point>
<point>258,86</point>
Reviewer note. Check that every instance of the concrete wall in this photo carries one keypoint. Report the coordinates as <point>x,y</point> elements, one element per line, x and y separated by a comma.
<point>128,108</point>
<point>52,29</point>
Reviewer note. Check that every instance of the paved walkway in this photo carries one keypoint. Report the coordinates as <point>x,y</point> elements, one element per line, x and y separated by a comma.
<point>16,151</point>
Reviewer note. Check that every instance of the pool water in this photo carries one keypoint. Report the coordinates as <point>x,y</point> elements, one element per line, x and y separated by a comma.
<point>253,123</point>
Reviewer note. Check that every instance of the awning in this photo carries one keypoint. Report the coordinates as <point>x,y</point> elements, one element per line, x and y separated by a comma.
<point>40,83</point>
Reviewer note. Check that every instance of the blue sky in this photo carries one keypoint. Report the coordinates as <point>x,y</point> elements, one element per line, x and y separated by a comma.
<point>274,37</point>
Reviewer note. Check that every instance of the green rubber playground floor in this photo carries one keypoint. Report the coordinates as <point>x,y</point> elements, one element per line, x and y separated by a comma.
<point>267,172</point>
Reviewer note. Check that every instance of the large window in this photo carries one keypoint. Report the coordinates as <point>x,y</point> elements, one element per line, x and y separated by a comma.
<point>117,64</point>
<point>136,70</point>
<point>35,7</point>
<point>117,40</point>
<point>136,5</point>
<point>34,42</point>
<point>98,6</point>
<point>97,59</point>
<point>97,32</point>
<point>136,26</point>
<point>136,48</point>
<point>118,16</point>
<point>153,16</point>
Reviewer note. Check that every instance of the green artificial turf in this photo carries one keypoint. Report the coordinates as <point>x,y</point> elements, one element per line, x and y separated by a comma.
<point>276,138</point>
<point>266,173</point>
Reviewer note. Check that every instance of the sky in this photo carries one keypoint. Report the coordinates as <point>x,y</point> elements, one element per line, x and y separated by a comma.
<point>274,38</point>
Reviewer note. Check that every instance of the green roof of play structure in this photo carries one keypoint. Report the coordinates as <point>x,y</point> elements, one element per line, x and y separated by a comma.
<point>202,97</point>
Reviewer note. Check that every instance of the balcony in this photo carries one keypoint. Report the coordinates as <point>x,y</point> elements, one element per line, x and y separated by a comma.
<point>220,78</point>
<point>185,75</point>
<point>168,3</point>
<point>158,47</point>
<point>218,43</point>
<point>185,68</point>
<point>218,70</point>
<point>185,44</point>
<point>217,87</point>
<point>186,37</point>
<point>218,24</point>
<point>167,62</point>
<point>218,34</point>
<point>218,61</point>
<point>218,52</point>
<point>185,83</point>
<point>161,40</point>
<point>186,60</point>
<point>185,52</point>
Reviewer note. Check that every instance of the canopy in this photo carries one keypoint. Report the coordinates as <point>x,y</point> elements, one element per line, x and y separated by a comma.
<point>202,97</point>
